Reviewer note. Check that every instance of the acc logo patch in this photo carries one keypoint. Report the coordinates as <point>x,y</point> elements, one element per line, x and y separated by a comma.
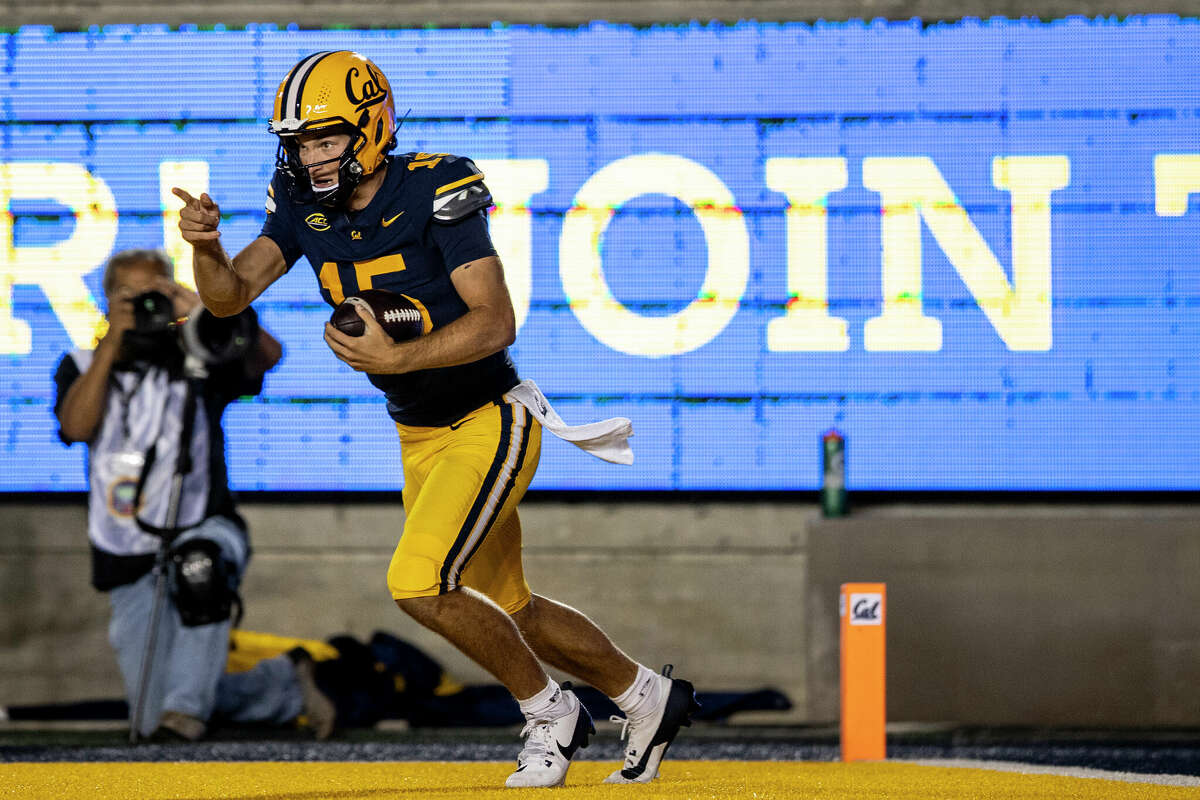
<point>317,221</point>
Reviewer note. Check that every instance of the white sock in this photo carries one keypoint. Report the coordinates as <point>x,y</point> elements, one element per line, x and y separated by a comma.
<point>549,703</point>
<point>644,694</point>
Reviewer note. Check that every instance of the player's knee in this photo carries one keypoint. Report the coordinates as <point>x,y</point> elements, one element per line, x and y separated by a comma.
<point>411,576</point>
<point>438,612</point>
<point>418,606</point>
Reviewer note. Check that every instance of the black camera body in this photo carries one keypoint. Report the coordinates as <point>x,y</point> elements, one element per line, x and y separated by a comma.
<point>206,339</point>
<point>152,338</point>
<point>153,312</point>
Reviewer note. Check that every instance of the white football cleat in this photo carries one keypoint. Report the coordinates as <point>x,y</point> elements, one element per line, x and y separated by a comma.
<point>649,736</point>
<point>550,744</point>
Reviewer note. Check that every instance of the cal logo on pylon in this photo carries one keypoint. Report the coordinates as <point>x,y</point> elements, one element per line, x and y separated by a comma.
<point>866,608</point>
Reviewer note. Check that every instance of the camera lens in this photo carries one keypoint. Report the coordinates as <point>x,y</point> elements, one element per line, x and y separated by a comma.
<point>216,340</point>
<point>152,312</point>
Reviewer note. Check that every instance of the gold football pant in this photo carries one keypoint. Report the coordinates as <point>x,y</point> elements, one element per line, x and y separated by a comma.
<point>462,484</point>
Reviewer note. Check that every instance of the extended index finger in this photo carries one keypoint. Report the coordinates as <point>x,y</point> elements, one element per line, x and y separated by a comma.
<point>183,195</point>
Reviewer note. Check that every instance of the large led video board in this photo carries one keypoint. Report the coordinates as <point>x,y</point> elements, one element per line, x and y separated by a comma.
<point>972,248</point>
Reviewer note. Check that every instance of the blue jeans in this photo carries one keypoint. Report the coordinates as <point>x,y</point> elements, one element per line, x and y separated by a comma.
<point>187,673</point>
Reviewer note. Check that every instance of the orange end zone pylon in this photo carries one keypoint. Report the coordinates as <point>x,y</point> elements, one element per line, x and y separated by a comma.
<point>863,609</point>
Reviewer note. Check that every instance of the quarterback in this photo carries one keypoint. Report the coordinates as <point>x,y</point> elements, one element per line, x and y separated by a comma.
<point>417,224</point>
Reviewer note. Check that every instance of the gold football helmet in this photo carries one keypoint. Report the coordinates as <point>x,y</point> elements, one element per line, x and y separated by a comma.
<point>334,91</point>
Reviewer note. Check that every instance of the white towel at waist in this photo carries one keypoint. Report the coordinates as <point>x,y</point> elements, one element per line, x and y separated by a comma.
<point>607,439</point>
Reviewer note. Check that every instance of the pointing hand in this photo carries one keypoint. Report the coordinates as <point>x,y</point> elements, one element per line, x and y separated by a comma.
<point>199,218</point>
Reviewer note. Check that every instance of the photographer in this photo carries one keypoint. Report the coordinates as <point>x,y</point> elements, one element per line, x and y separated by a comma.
<point>154,384</point>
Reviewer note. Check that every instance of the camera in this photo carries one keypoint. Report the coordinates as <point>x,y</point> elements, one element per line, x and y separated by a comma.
<point>152,337</point>
<point>153,313</point>
<point>203,337</point>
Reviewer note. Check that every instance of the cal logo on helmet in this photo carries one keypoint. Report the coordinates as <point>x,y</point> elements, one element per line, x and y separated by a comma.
<point>364,91</point>
<point>317,221</point>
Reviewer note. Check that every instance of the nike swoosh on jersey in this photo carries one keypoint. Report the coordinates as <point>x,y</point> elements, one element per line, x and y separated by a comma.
<point>387,222</point>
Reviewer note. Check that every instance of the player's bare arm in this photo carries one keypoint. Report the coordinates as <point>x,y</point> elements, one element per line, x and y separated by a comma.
<point>488,327</point>
<point>226,285</point>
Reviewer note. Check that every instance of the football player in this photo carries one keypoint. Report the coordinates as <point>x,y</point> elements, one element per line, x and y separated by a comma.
<point>416,224</point>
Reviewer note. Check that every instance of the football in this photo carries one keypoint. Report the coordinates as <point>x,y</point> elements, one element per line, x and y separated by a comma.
<point>399,316</point>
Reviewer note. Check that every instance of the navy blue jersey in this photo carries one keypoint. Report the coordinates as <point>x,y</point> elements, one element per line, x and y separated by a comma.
<point>427,219</point>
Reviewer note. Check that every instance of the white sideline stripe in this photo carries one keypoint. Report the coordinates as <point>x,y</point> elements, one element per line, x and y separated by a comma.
<point>1047,769</point>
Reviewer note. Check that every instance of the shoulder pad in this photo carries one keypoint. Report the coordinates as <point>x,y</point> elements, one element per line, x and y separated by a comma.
<point>459,189</point>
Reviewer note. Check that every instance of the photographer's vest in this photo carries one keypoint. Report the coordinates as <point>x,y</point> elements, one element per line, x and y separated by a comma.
<point>132,460</point>
<point>121,550</point>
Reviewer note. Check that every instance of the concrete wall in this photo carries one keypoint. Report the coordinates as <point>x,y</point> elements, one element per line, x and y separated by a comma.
<point>1021,615</point>
<point>715,589</point>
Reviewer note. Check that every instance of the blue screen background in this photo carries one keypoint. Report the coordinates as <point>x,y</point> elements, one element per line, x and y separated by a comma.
<point>1113,404</point>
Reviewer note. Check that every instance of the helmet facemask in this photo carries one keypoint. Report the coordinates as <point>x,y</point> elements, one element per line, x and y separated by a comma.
<point>299,175</point>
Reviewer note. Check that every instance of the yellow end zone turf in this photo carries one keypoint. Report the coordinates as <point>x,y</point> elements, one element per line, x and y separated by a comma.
<point>764,780</point>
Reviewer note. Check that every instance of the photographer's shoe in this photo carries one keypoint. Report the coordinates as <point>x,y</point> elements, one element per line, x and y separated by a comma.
<point>175,726</point>
<point>648,736</point>
<point>550,744</point>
